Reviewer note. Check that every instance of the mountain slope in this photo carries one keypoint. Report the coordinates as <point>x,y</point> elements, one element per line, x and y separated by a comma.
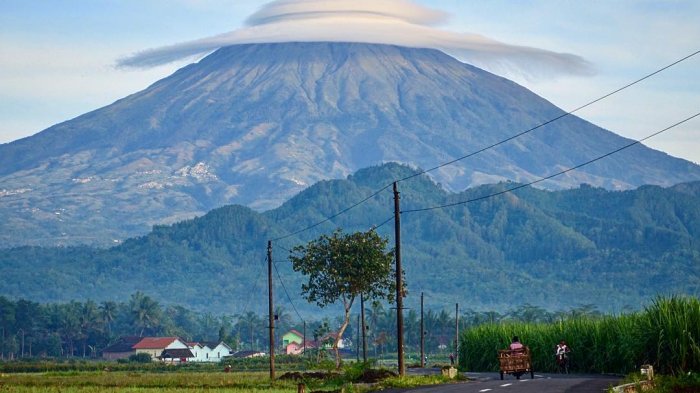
<point>255,124</point>
<point>551,249</point>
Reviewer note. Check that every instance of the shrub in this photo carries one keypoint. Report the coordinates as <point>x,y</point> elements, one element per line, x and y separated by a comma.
<point>140,358</point>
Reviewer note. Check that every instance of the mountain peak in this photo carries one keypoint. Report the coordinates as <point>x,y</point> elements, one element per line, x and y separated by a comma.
<point>255,124</point>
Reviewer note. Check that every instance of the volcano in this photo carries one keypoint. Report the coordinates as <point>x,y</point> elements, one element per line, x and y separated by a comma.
<point>256,124</point>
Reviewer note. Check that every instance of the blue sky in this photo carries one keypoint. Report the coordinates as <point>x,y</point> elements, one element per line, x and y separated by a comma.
<point>58,58</point>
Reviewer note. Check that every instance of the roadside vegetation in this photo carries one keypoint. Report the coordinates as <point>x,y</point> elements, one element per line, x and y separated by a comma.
<point>666,335</point>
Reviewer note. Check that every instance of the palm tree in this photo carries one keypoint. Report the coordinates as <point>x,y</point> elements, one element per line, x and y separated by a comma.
<point>108,311</point>
<point>209,324</point>
<point>145,311</point>
<point>69,315</point>
<point>88,322</point>
<point>248,321</point>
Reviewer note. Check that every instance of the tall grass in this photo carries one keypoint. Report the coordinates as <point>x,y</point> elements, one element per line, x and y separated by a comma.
<point>666,334</point>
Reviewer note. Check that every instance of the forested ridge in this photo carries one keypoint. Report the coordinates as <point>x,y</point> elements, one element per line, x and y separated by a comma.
<point>614,249</point>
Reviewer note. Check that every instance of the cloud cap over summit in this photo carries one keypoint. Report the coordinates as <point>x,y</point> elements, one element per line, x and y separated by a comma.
<point>395,22</point>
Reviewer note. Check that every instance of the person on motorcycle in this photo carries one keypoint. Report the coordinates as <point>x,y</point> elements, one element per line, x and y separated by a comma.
<point>562,355</point>
<point>562,348</point>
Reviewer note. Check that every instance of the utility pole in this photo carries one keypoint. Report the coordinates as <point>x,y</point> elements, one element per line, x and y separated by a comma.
<point>270,309</point>
<point>456,352</point>
<point>357,343</point>
<point>304,339</point>
<point>422,334</point>
<point>399,284</point>
<point>364,329</point>
<point>22,330</point>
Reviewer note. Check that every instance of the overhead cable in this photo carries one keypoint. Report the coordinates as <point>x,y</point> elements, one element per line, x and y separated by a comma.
<point>287,293</point>
<point>555,174</point>
<point>490,146</point>
<point>551,120</point>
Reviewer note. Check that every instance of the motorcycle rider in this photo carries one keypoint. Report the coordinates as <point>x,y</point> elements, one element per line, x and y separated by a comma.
<point>562,355</point>
<point>562,348</point>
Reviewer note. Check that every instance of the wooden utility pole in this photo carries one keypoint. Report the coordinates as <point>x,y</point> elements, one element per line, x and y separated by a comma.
<point>399,284</point>
<point>422,334</point>
<point>270,309</point>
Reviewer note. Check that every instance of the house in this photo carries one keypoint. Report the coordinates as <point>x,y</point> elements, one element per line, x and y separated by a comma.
<point>329,340</point>
<point>326,342</point>
<point>121,349</point>
<point>248,354</point>
<point>198,352</point>
<point>176,355</point>
<point>217,351</point>
<point>292,336</point>
<point>155,346</point>
<point>209,351</point>
<point>294,348</point>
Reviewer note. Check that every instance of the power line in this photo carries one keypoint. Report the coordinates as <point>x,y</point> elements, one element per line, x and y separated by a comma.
<point>383,223</point>
<point>334,215</point>
<point>491,146</point>
<point>287,293</point>
<point>252,292</point>
<point>556,174</point>
<point>282,248</point>
<point>553,119</point>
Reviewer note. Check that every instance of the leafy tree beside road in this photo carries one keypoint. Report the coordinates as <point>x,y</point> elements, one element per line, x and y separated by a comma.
<point>342,266</point>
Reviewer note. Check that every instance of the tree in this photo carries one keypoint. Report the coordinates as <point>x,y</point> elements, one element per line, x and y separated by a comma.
<point>88,319</point>
<point>341,267</point>
<point>145,311</point>
<point>108,311</point>
<point>248,321</point>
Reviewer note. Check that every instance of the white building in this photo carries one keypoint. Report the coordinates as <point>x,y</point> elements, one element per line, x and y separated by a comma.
<point>209,351</point>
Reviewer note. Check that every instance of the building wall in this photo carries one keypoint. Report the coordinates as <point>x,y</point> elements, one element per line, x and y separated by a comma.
<point>198,353</point>
<point>153,352</point>
<point>219,352</point>
<point>116,355</point>
<point>291,338</point>
<point>177,344</point>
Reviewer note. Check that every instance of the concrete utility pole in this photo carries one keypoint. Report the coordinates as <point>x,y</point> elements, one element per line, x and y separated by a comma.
<point>270,309</point>
<point>399,284</point>
<point>422,334</point>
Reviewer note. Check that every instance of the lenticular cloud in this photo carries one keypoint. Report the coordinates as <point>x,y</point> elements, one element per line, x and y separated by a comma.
<point>395,22</point>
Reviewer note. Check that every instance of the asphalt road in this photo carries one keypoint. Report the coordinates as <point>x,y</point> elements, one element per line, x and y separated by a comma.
<point>542,383</point>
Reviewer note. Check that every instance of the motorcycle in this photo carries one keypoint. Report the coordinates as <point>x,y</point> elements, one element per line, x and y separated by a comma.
<point>562,359</point>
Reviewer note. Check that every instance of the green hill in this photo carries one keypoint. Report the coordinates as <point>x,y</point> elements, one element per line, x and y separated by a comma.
<point>551,249</point>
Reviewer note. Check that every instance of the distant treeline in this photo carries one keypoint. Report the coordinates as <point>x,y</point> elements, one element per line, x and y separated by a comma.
<point>84,329</point>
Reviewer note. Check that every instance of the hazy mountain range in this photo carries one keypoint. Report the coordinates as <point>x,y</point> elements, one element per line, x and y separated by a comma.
<point>256,124</point>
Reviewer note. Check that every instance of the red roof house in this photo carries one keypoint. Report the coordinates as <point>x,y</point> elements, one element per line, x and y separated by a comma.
<point>155,346</point>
